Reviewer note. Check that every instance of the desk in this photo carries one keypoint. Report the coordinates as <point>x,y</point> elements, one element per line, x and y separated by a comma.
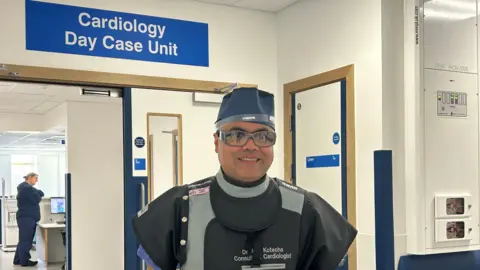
<point>50,248</point>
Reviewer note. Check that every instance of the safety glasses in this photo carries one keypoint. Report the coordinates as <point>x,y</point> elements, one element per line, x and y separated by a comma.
<point>238,138</point>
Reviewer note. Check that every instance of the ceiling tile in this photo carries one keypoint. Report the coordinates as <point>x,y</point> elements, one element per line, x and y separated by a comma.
<point>223,2</point>
<point>6,86</point>
<point>6,83</point>
<point>45,107</point>
<point>17,107</point>
<point>62,90</point>
<point>31,140</point>
<point>265,5</point>
<point>5,107</point>
<point>9,96</point>
<point>32,89</point>
<point>56,99</point>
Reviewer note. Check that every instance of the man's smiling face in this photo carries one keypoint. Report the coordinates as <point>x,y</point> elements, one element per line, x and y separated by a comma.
<point>247,162</point>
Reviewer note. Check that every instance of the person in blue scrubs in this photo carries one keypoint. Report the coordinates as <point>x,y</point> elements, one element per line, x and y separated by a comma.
<point>28,214</point>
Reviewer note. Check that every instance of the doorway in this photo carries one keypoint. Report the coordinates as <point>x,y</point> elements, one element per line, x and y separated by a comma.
<point>320,109</point>
<point>165,162</point>
<point>132,195</point>
<point>53,131</point>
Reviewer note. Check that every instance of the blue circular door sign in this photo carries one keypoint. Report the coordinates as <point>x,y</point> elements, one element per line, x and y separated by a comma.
<point>336,138</point>
<point>139,142</point>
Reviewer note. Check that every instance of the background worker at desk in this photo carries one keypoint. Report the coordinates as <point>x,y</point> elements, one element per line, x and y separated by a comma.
<point>28,214</point>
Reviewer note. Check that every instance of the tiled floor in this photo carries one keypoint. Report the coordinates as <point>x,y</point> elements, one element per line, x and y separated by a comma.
<point>6,262</point>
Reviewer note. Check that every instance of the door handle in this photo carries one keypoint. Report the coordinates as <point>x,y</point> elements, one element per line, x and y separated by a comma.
<point>142,195</point>
<point>142,206</point>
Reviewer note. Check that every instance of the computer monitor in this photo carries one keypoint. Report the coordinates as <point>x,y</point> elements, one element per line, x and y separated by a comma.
<point>57,205</point>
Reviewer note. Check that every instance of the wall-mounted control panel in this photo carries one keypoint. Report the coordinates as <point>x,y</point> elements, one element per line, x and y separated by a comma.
<point>452,104</point>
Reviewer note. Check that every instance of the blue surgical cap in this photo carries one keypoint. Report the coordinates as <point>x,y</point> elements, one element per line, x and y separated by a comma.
<point>247,105</point>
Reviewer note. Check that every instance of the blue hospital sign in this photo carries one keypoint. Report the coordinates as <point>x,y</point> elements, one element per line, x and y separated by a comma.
<point>94,32</point>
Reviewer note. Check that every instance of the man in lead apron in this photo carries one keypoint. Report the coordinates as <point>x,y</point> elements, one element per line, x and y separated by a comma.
<point>241,218</point>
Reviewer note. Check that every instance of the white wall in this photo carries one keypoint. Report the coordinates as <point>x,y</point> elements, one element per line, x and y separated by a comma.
<point>55,117</point>
<point>50,167</point>
<point>95,161</point>
<point>318,36</point>
<point>21,122</point>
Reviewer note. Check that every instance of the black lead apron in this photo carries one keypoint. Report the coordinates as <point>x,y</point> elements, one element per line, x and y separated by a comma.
<point>241,233</point>
<point>250,232</point>
<point>213,225</point>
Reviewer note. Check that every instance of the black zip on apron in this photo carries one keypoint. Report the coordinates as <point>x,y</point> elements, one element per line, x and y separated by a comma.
<point>254,248</point>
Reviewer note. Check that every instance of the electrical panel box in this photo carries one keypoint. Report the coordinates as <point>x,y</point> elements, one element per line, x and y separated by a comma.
<point>451,159</point>
<point>442,183</point>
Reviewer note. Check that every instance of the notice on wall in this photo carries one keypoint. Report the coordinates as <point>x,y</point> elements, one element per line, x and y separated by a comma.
<point>94,32</point>
<point>453,104</point>
<point>140,164</point>
<point>323,161</point>
<point>139,142</point>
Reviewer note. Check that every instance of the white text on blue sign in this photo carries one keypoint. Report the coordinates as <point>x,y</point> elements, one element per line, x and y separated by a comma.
<point>95,32</point>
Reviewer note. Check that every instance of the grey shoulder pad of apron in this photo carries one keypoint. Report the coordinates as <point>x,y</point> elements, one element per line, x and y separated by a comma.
<point>332,234</point>
<point>155,227</point>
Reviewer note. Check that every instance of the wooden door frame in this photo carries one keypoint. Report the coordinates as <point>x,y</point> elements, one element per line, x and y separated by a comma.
<point>33,74</point>
<point>179,130</point>
<point>343,73</point>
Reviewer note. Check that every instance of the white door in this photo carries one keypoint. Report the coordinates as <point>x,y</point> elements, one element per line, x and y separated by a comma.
<point>318,142</point>
<point>319,131</point>
<point>95,162</point>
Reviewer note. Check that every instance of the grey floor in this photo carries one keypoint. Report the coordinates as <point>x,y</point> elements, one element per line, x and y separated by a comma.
<point>6,262</point>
